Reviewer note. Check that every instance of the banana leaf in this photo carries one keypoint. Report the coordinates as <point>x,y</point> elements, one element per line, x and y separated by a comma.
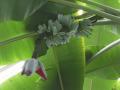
<point>106,65</point>
<point>65,68</point>
<point>17,51</point>
<point>99,84</point>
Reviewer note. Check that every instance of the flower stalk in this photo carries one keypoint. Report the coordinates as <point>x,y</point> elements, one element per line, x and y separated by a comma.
<point>32,34</point>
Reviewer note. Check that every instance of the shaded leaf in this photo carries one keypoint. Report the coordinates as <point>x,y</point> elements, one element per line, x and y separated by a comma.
<point>19,9</point>
<point>105,65</point>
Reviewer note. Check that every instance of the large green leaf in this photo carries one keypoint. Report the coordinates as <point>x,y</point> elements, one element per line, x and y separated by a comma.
<point>65,64</point>
<point>107,64</point>
<point>65,68</point>
<point>19,50</point>
<point>32,83</point>
<point>16,10</point>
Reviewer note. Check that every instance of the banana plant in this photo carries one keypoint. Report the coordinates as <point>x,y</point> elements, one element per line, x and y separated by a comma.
<point>48,31</point>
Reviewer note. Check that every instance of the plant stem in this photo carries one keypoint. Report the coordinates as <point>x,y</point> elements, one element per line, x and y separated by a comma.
<point>107,22</point>
<point>85,15</point>
<point>88,9</point>
<point>2,43</point>
<point>105,49</point>
<point>103,7</point>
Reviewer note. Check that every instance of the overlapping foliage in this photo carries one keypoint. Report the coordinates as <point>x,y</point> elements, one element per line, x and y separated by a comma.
<point>65,64</point>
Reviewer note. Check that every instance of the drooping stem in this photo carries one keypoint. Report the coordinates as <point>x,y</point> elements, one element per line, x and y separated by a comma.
<point>88,9</point>
<point>2,43</point>
<point>106,48</point>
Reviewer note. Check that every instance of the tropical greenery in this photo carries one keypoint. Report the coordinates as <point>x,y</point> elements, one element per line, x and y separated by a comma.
<point>88,57</point>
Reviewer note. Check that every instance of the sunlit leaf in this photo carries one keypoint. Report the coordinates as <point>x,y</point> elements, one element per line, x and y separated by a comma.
<point>19,50</point>
<point>65,69</point>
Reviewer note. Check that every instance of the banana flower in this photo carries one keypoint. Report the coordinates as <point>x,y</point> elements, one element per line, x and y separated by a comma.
<point>34,66</point>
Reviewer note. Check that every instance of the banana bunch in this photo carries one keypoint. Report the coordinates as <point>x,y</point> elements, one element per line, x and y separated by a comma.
<point>60,31</point>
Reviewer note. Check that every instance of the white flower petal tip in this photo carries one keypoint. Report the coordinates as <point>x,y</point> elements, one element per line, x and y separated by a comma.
<point>33,65</point>
<point>30,67</point>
